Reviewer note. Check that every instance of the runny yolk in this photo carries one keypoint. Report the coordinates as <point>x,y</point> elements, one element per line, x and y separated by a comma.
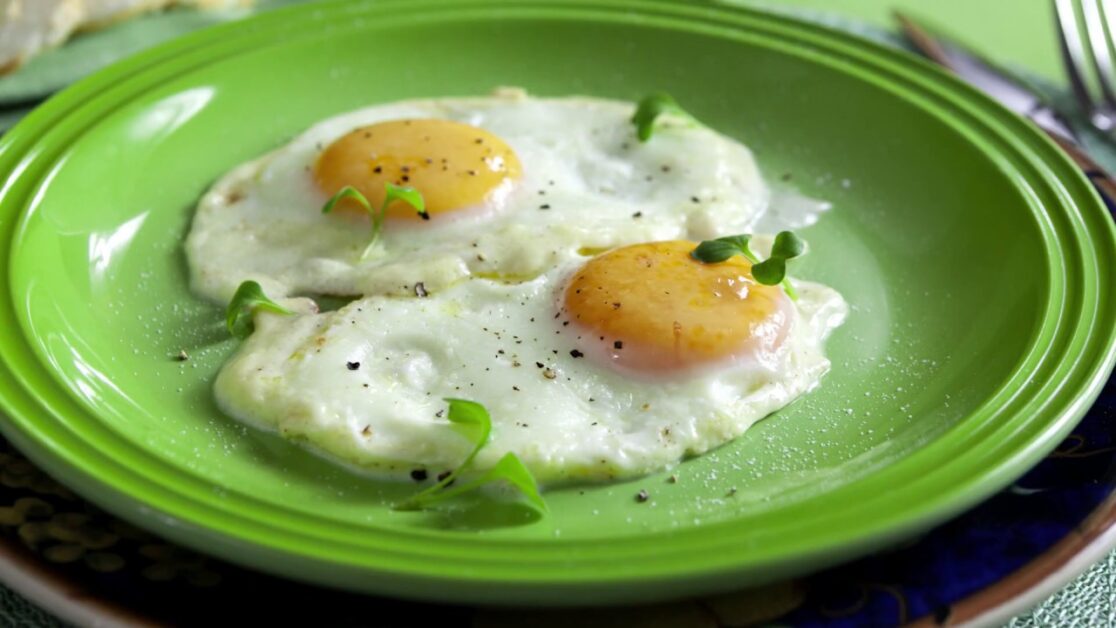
<point>651,307</point>
<point>453,165</point>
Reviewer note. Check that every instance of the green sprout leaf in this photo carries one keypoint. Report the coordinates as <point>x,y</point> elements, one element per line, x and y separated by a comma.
<point>408,195</point>
<point>787,245</point>
<point>719,250</point>
<point>348,192</point>
<point>472,420</point>
<point>509,469</point>
<point>650,108</point>
<point>393,193</point>
<point>769,272</point>
<point>248,298</point>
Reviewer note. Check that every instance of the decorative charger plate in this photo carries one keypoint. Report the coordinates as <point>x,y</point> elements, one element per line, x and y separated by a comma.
<point>973,254</point>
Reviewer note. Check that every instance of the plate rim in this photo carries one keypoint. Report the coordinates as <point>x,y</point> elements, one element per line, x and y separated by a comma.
<point>1047,573</point>
<point>1033,150</point>
<point>68,598</point>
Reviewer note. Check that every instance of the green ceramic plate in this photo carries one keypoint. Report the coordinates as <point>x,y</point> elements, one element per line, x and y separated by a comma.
<point>973,253</point>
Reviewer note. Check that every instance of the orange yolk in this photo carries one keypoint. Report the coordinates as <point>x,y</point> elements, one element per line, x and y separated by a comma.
<point>652,307</point>
<point>453,165</point>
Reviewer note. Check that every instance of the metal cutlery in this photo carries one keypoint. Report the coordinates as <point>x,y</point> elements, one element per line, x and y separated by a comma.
<point>1016,96</point>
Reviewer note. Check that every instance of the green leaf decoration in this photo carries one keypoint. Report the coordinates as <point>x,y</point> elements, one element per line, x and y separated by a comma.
<point>650,108</point>
<point>773,270</point>
<point>719,250</point>
<point>472,420</point>
<point>393,193</point>
<point>248,298</point>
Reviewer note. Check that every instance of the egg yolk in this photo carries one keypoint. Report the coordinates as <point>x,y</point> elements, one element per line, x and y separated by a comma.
<point>652,307</point>
<point>453,165</point>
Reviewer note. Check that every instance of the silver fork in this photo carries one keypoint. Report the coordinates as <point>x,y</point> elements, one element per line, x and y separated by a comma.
<point>1087,54</point>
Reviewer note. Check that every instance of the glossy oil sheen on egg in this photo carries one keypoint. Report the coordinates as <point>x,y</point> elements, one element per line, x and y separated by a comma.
<point>365,383</point>
<point>456,167</point>
<point>562,175</point>
<point>652,308</point>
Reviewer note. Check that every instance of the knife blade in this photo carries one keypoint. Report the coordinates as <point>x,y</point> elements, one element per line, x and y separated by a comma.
<point>1013,95</point>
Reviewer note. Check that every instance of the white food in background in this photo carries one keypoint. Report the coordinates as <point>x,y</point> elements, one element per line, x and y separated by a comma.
<point>27,27</point>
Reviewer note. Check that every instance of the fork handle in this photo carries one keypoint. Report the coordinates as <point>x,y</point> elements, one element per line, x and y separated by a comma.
<point>1101,179</point>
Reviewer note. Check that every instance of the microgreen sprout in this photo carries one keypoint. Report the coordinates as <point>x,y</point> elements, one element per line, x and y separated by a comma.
<point>471,419</point>
<point>393,193</point>
<point>649,110</point>
<point>248,298</point>
<point>509,469</point>
<point>719,250</point>
<point>769,272</point>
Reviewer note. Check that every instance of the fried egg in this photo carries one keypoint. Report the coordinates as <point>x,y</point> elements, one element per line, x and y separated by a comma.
<point>603,367</point>
<point>512,186</point>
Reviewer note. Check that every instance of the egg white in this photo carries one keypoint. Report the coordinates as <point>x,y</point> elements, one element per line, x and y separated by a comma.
<point>587,183</point>
<point>365,383</point>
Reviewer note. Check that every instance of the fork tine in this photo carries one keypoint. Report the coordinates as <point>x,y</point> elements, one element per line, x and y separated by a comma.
<point>1073,54</point>
<point>1107,14</point>
<point>1108,10</point>
<point>1098,43</point>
